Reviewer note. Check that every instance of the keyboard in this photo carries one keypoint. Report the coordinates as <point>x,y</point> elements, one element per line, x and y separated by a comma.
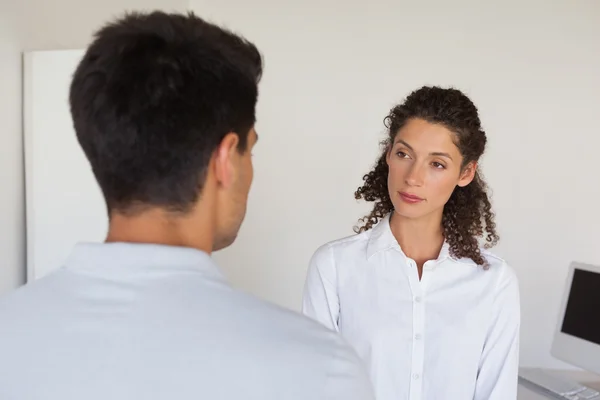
<point>555,385</point>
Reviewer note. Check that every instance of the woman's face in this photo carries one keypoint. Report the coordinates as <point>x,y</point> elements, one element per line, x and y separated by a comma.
<point>424,169</point>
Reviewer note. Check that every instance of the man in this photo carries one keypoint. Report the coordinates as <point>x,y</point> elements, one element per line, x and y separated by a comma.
<point>164,108</point>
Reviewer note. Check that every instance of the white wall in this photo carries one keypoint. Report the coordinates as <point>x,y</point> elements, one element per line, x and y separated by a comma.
<point>333,69</point>
<point>28,25</point>
<point>12,212</point>
<point>65,24</point>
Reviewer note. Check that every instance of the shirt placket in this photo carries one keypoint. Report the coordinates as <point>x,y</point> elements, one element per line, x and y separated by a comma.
<point>418,349</point>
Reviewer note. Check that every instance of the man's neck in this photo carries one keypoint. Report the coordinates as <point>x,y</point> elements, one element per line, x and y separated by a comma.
<point>157,226</point>
<point>420,239</point>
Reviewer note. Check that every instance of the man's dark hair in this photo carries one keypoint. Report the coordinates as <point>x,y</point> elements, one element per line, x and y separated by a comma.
<point>151,100</point>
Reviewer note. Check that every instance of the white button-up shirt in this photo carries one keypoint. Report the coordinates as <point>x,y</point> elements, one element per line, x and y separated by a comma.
<point>134,321</point>
<point>452,335</point>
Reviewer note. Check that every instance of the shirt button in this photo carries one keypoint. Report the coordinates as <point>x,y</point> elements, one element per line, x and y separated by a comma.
<point>418,299</point>
<point>416,376</point>
<point>418,336</point>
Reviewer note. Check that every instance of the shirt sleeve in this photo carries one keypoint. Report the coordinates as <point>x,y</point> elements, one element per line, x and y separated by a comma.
<point>320,300</point>
<point>499,367</point>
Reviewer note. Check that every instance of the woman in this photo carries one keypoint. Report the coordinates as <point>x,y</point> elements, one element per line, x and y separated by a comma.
<point>433,314</point>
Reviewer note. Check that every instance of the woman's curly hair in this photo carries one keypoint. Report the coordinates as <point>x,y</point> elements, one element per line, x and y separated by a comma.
<point>467,215</point>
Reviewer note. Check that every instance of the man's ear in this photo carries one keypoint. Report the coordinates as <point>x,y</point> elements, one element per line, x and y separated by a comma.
<point>468,174</point>
<point>226,159</point>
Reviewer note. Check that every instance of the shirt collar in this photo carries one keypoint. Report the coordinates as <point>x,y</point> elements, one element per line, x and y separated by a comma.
<point>383,239</point>
<point>132,257</point>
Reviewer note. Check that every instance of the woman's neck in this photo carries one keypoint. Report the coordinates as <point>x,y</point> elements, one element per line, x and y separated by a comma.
<point>420,239</point>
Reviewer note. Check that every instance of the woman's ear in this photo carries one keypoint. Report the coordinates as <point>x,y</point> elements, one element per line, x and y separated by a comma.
<point>468,174</point>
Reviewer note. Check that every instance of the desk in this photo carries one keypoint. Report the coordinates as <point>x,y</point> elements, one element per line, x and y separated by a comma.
<point>585,378</point>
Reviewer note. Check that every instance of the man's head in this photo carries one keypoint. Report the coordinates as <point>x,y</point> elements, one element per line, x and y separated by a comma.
<point>164,108</point>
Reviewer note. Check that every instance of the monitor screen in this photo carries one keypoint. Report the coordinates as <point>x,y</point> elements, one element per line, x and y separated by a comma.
<point>583,307</point>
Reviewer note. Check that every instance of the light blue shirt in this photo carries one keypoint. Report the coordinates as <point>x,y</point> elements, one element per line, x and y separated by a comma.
<point>125,321</point>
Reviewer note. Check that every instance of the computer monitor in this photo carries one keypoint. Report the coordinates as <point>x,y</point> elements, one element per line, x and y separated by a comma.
<point>577,336</point>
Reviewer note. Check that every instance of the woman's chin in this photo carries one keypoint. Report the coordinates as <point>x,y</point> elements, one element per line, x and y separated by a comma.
<point>411,211</point>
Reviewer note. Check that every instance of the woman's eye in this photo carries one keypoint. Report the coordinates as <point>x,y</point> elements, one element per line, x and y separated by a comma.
<point>438,165</point>
<point>402,154</point>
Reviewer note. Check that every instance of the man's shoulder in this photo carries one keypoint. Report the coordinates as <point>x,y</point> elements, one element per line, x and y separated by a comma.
<point>293,329</point>
<point>25,295</point>
<point>306,347</point>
